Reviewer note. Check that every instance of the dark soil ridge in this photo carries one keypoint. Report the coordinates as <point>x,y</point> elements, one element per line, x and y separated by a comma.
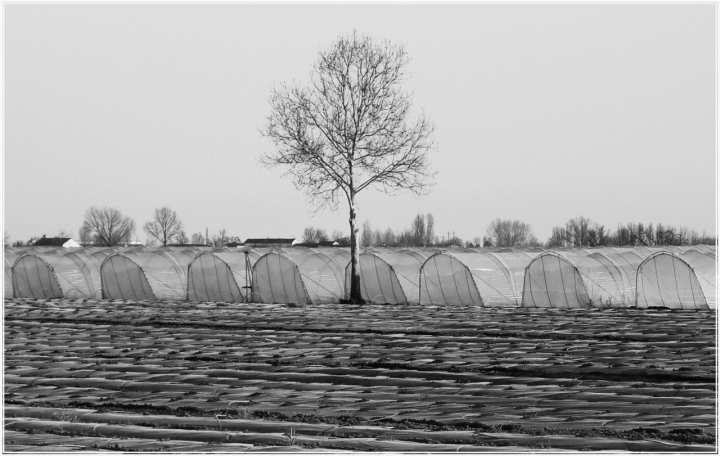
<point>688,436</point>
<point>463,374</point>
<point>456,332</point>
<point>640,375</point>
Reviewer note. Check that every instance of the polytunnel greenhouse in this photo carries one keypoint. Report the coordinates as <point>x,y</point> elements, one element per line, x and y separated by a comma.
<point>705,267</point>
<point>304,277</point>
<point>681,277</point>
<point>10,257</point>
<point>388,277</point>
<point>221,276</point>
<point>145,276</point>
<point>474,278</point>
<point>573,280</point>
<point>665,279</point>
<point>42,275</point>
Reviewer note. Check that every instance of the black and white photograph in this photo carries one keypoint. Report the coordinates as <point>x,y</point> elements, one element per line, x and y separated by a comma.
<point>360,227</point>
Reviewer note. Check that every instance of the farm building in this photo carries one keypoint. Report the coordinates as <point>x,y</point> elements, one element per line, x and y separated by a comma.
<point>270,243</point>
<point>66,243</point>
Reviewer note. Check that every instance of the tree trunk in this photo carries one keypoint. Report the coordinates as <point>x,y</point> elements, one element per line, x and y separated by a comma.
<point>355,293</point>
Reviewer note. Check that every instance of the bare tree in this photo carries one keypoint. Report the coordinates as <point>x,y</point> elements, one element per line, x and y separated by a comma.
<point>509,233</point>
<point>314,235</point>
<point>418,230</point>
<point>107,226</point>
<point>558,237</point>
<point>389,237</point>
<point>164,226</point>
<point>63,233</point>
<point>220,239</point>
<point>367,235</point>
<point>181,237</point>
<point>222,236</point>
<point>350,129</point>
<point>339,237</point>
<point>429,230</point>
<point>378,237</point>
<point>85,235</point>
<point>197,238</point>
<point>7,239</point>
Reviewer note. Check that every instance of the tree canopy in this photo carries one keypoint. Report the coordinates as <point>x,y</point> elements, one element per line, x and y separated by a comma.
<point>106,226</point>
<point>164,226</point>
<point>349,129</point>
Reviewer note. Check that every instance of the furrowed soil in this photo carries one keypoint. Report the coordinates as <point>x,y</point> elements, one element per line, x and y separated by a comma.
<point>185,377</point>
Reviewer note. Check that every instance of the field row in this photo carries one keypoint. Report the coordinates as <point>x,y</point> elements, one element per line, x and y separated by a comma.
<point>469,378</point>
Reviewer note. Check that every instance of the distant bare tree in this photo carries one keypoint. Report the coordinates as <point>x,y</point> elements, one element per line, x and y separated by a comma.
<point>557,237</point>
<point>107,226</point>
<point>509,233</point>
<point>389,237</point>
<point>583,232</point>
<point>429,230</point>
<point>314,235</point>
<point>220,239</point>
<point>63,233</point>
<point>7,239</point>
<point>197,238</point>
<point>85,235</point>
<point>532,241</point>
<point>366,239</point>
<point>340,237</point>
<point>164,226</point>
<point>181,237</point>
<point>418,230</point>
<point>350,129</point>
<point>378,237</point>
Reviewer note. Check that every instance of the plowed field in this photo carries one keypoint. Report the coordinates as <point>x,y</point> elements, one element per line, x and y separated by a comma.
<point>183,377</point>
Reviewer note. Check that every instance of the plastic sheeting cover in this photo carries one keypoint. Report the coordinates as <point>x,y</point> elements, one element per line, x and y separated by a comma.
<point>220,276</point>
<point>553,281</point>
<point>34,278</point>
<point>163,272</point>
<point>10,257</point>
<point>664,279</point>
<point>276,279</point>
<point>122,278</point>
<point>391,278</point>
<point>446,280</point>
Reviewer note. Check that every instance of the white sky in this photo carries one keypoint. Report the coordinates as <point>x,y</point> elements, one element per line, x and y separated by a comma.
<point>542,113</point>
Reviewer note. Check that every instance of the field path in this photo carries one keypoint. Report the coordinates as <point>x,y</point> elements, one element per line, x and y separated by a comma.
<point>204,377</point>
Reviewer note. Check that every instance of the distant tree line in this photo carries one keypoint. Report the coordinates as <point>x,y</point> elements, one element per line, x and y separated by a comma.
<point>420,234</point>
<point>108,227</point>
<point>576,232</point>
<point>583,232</point>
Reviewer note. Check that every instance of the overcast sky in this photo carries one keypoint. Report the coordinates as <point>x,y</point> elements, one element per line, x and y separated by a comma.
<point>542,113</point>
